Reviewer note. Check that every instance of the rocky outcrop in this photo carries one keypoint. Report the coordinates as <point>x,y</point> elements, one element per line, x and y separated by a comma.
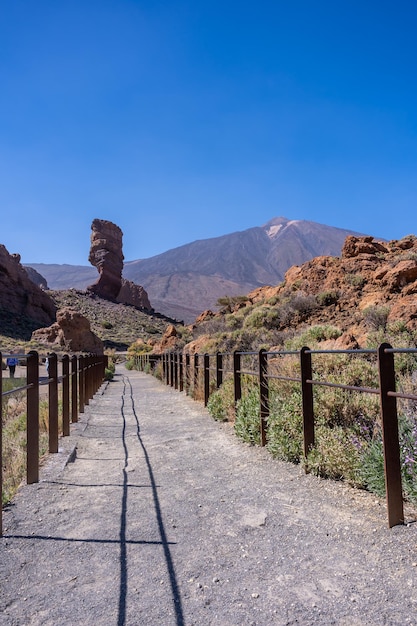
<point>19,296</point>
<point>35,277</point>
<point>106,254</point>
<point>70,332</point>
<point>134,295</point>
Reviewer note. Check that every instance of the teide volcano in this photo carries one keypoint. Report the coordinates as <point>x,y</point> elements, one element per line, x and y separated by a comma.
<point>184,281</point>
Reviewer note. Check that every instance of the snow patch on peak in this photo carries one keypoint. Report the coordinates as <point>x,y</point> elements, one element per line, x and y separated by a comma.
<point>274,230</point>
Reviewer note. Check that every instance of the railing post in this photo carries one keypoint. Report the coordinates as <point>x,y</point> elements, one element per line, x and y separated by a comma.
<point>206,378</point>
<point>1,441</point>
<point>32,425</point>
<point>195,384</point>
<point>65,396</point>
<point>53,402</point>
<point>81,384</point>
<point>176,370</point>
<point>263,394</point>
<point>307,400</point>
<point>74,389</point>
<point>390,437</point>
<point>237,378</point>
<point>171,369</point>
<point>219,370</point>
<point>181,371</point>
<point>187,373</point>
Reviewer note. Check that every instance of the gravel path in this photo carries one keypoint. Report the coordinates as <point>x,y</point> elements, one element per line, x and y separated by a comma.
<point>165,518</point>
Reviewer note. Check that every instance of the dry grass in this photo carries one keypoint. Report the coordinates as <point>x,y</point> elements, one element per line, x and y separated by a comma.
<point>14,438</point>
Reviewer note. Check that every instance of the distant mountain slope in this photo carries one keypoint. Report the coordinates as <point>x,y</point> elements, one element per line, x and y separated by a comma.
<point>192,277</point>
<point>184,281</point>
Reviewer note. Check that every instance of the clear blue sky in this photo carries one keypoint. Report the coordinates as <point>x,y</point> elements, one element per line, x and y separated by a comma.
<point>183,120</point>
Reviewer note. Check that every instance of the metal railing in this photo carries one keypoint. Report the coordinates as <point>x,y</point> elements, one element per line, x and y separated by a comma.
<point>80,378</point>
<point>205,372</point>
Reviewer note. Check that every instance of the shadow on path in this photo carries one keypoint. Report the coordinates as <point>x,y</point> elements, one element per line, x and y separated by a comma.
<point>176,597</point>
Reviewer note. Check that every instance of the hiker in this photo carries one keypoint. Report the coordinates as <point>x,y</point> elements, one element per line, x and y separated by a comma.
<point>47,366</point>
<point>11,364</point>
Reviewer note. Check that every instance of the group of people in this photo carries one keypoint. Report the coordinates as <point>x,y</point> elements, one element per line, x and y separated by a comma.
<point>12,362</point>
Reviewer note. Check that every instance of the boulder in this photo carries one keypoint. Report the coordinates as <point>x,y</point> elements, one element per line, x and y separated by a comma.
<point>70,332</point>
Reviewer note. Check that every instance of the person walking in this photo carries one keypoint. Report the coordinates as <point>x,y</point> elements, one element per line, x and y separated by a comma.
<point>11,363</point>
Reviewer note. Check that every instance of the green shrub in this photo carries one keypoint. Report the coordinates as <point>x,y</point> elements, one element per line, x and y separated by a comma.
<point>313,336</point>
<point>221,402</point>
<point>262,317</point>
<point>355,280</point>
<point>376,317</point>
<point>327,298</point>
<point>335,455</point>
<point>285,426</point>
<point>247,423</point>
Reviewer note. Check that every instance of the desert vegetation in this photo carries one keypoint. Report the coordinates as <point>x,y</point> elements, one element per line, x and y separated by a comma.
<point>14,435</point>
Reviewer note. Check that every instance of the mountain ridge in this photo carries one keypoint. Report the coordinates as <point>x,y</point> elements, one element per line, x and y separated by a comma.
<point>184,281</point>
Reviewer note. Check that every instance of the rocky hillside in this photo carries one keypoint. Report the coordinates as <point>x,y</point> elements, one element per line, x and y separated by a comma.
<point>367,295</point>
<point>23,305</point>
<point>184,281</point>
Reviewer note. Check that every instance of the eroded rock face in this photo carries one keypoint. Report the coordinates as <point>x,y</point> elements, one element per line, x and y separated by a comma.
<point>71,332</point>
<point>106,254</point>
<point>133,294</point>
<point>19,296</point>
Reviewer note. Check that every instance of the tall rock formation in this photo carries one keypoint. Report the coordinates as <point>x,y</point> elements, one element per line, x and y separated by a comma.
<point>106,254</point>
<point>21,301</point>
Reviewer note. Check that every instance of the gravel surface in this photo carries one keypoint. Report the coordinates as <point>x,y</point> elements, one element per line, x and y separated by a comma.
<point>164,518</point>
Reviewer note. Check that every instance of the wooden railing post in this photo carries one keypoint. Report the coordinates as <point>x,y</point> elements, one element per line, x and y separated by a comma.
<point>181,371</point>
<point>187,373</point>
<point>307,399</point>
<point>74,389</point>
<point>176,370</point>
<point>65,396</point>
<point>219,370</point>
<point>237,378</point>
<point>1,441</point>
<point>195,385</point>
<point>32,425</point>
<point>206,378</point>
<point>81,384</point>
<point>53,402</point>
<point>263,394</point>
<point>390,437</point>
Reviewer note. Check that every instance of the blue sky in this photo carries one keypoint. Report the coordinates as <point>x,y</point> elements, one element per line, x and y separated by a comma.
<point>187,120</point>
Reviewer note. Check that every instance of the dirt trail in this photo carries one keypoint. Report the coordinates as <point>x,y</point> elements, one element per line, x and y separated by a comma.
<point>165,518</point>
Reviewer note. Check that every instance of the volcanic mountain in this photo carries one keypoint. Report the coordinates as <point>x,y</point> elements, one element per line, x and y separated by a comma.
<point>184,281</point>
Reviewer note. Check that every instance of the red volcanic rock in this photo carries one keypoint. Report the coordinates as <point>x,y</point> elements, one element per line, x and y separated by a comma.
<point>354,246</point>
<point>19,296</point>
<point>106,255</point>
<point>71,332</point>
<point>134,295</point>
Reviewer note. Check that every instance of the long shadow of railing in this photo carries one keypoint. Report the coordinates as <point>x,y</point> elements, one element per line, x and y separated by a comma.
<point>176,597</point>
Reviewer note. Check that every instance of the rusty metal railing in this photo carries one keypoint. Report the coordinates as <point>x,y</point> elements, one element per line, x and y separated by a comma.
<point>188,372</point>
<point>78,384</point>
